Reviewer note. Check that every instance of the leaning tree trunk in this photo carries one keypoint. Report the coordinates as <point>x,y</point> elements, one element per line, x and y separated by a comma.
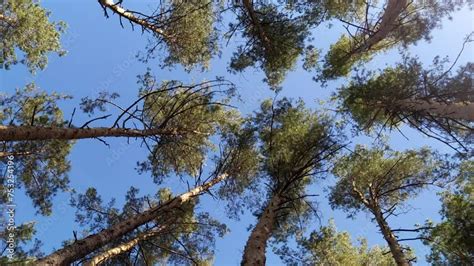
<point>388,23</point>
<point>21,133</point>
<point>254,252</point>
<point>116,8</point>
<point>456,110</point>
<point>395,248</point>
<point>83,247</point>
<point>122,248</point>
<point>248,5</point>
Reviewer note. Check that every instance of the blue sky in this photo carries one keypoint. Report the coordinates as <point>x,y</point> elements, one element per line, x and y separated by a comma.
<point>101,55</point>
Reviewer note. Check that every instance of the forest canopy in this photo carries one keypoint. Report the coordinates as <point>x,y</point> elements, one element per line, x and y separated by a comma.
<point>236,132</point>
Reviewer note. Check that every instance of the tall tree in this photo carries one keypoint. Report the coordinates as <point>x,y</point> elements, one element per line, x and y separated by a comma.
<point>83,247</point>
<point>400,23</point>
<point>275,37</point>
<point>380,181</point>
<point>25,27</point>
<point>451,240</point>
<point>182,236</point>
<point>327,246</point>
<point>172,101</point>
<point>42,166</point>
<point>184,29</point>
<point>228,166</point>
<point>436,102</point>
<point>176,122</point>
<point>295,144</point>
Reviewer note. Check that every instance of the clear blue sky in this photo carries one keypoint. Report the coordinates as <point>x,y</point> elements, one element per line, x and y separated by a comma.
<point>101,55</point>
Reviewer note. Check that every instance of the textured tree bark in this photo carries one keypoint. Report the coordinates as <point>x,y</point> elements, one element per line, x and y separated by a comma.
<point>387,24</point>
<point>124,247</point>
<point>116,8</point>
<point>392,242</point>
<point>248,4</point>
<point>81,248</point>
<point>254,252</point>
<point>456,110</point>
<point>19,133</point>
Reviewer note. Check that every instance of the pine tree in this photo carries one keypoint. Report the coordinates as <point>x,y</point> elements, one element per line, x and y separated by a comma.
<point>327,246</point>
<point>380,181</point>
<point>176,120</point>
<point>184,29</point>
<point>42,166</point>
<point>401,23</point>
<point>181,236</point>
<point>296,144</point>
<point>451,240</point>
<point>25,27</point>
<point>237,151</point>
<point>436,102</point>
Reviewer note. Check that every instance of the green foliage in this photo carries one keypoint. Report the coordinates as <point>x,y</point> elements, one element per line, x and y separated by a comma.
<point>188,32</point>
<point>420,18</point>
<point>195,112</point>
<point>31,106</point>
<point>41,166</point>
<point>186,237</point>
<point>277,38</point>
<point>24,250</point>
<point>415,22</point>
<point>276,153</point>
<point>24,26</point>
<point>311,57</point>
<point>380,181</point>
<point>327,246</point>
<point>291,136</point>
<point>239,158</point>
<point>382,177</point>
<point>451,240</point>
<point>347,10</point>
<point>274,44</point>
<point>295,145</point>
<point>89,106</point>
<point>375,100</point>
<point>366,92</point>
<point>341,58</point>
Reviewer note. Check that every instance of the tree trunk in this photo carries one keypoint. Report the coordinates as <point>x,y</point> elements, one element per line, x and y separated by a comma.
<point>248,4</point>
<point>455,110</point>
<point>20,133</point>
<point>387,24</point>
<point>120,249</point>
<point>392,241</point>
<point>83,247</point>
<point>116,8</point>
<point>254,252</point>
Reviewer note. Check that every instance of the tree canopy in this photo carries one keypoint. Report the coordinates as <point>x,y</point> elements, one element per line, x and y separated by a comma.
<point>327,246</point>
<point>25,27</point>
<point>295,145</point>
<point>244,132</point>
<point>379,181</point>
<point>450,240</point>
<point>436,102</point>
